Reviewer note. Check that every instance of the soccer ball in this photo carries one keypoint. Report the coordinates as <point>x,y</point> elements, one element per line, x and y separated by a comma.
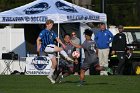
<point>76,54</point>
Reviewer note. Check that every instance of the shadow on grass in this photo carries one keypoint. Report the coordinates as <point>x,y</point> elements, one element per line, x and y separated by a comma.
<point>86,83</point>
<point>102,83</point>
<point>70,81</point>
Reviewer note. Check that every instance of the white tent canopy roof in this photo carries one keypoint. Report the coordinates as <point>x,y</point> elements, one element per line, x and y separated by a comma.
<point>60,11</point>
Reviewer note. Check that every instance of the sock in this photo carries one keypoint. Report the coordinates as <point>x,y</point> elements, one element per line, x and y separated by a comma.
<point>57,74</point>
<point>81,81</point>
<point>63,53</point>
<point>51,72</point>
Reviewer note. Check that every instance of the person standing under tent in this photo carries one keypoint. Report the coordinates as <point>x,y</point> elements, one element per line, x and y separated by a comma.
<point>103,38</point>
<point>76,40</point>
<point>45,43</point>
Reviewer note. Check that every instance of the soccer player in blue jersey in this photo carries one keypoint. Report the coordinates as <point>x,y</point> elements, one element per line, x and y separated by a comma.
<point>45,42</point>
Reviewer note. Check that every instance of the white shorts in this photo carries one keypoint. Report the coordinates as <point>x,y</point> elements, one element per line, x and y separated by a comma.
<point>51,56</point>
<point>50,49</point>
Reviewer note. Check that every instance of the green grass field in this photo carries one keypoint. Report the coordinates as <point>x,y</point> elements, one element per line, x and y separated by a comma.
<point>93,84</point>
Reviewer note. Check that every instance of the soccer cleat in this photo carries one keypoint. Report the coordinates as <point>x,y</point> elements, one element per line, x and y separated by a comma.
<point>81,83</point>
<point>59,79</point>
<point>109,70</point>
<point>54,77</point>
<point>69,59</point>
<point>104,73</point>
<point>51,79</point>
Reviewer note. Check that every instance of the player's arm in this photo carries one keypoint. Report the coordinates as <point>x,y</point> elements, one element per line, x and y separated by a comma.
<point>76,45</point>
<point>96,38</point>
<point>38,41</point>
<point>96,49</point>
<point>59,41</point>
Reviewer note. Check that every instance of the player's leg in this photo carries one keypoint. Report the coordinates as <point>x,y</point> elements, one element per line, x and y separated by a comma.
<point>101,68</point>
<point>82,76</point>
<point>53,48</point>
<point>61,68</point>
<point>67,71</point>
<point>98,67</point>
<point>54,62</point>
<point>77,67</point>
<point>62,52</point>
<point>84,68</point>
<point>57,73</point>
<point>95,62</point>
<point>52,69</point>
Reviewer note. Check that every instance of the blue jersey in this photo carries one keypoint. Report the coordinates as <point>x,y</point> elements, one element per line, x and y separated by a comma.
<point>47,37</point>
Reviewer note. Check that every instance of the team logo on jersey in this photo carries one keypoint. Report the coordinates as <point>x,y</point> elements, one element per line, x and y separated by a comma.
<point>64,7</point>
<point>40,63</point>
<point>38,8</point>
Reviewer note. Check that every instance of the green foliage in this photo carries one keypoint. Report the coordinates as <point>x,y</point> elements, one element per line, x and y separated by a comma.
<point>122,13</point>
<point>9,4</point>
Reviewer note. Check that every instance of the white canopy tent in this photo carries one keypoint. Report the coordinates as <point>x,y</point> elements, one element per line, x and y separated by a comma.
<point>60,11</point>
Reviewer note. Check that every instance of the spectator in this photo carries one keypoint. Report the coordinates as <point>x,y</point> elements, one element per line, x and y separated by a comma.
<point>119,47</point>
<point>76,40</point>
<point>103,38</point>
